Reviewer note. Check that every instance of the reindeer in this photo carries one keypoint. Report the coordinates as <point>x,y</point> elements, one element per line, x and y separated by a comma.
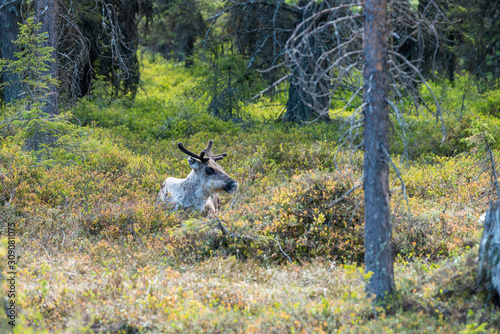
<point>199,190</point>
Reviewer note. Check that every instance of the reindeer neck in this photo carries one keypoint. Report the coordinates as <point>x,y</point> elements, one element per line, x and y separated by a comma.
<point>193,183</point>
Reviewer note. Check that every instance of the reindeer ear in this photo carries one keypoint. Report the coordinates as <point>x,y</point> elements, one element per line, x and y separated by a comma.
<point>194,163</point>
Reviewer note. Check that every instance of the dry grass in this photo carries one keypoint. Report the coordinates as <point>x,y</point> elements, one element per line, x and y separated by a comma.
<point>111,287</point>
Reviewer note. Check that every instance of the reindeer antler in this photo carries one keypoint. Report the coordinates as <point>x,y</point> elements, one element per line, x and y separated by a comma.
<point>206,151</point>
<point>200,157</point>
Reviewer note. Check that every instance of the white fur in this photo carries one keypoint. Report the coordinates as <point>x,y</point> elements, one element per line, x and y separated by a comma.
<point>194,192</point>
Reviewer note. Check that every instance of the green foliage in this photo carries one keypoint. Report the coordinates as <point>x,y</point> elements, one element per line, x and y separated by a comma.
<point>32,64</point>
<point>175,28</point>
<point>26,116</point>
<point>302,216</point>
<point>461,105</point>
<point>491,103</point>
<point>480,134</point>
<point>228,82</point>
<point>478,36</point>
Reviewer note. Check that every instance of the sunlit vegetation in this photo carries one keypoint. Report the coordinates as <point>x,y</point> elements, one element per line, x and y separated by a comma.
<point>98,254</point>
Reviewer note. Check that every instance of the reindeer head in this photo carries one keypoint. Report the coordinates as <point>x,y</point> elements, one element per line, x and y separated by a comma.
<point>209,173</point>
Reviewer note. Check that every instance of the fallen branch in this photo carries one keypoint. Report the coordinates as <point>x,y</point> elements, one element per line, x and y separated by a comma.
<point>282,251</point>
<point>226,232</point>
<point>238,236</point>
<point>344,195</point>
<point>276,83</point>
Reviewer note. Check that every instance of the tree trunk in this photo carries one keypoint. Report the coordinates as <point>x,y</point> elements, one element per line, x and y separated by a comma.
<point>489,253</point>
<point>378,243</point>
<point>189,51</point>
<point>9,19</point>
<point>305,103</point>
<point>46,12</point>
<point>296,109</point>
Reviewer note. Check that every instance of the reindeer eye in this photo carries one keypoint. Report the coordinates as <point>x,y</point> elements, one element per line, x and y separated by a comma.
<point>209,170</point>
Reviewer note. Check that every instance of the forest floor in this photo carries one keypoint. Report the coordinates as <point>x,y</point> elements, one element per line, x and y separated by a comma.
<point>97,254</point>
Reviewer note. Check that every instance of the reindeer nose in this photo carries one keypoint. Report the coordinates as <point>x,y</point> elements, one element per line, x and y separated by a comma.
<point>231,186</point>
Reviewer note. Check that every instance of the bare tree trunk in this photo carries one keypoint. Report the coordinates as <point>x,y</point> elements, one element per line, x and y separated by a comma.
<point>378,243</point>
<point>9,19</point>
<point>296,109</point>
<point>489,253</point>
<point>306,104</point>
<point>189,51</point>
<point>46,12</point>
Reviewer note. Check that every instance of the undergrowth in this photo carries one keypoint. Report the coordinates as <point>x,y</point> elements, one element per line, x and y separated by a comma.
<point>99,254</point>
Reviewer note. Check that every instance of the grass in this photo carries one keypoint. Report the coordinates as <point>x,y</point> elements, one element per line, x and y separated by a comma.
<point>97,254</point>
<point>113,287</point>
